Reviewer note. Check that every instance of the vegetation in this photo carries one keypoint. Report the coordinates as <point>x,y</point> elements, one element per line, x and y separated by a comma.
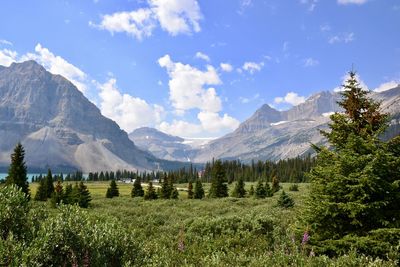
<point>218,186</point>
<point>239,190</point>
<point>150,192</point>
<point>17,170</point>
<point>137,189</point>
<point>112,191</point>
<point>294,187</point>
<point>355,193</point>
<point>198,190</point>
<point>285,201</point>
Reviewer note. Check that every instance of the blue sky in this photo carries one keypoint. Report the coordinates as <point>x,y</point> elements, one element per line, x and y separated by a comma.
<point>198,68</point>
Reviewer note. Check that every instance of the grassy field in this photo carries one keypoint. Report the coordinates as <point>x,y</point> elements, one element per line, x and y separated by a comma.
<point>214,232</point>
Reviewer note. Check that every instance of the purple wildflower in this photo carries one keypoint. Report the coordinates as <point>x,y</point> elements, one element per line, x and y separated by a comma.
<point>181,242</point>
<point>306,237</point>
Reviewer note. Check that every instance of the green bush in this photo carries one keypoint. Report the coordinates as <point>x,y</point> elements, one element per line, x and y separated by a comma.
<point>294,187</point>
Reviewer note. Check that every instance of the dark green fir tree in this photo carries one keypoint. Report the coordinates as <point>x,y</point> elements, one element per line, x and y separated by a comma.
<point>49,184</point>
<point>41,191</point>
<point>113,190</point>
<point>137,189</point>
<point>285,201</point>
<point>150,193</point>
<point>219,187</point>
<point>239,190</point>
<point>260,190</point>
<point>190,192</point>
<point>58,194</point>
<point>17,172</point>
<point>198,190</point>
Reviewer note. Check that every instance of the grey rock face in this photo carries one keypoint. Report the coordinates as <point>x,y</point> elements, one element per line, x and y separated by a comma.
<point>58,126</point>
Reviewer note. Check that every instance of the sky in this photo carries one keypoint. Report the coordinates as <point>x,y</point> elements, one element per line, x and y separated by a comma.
<point>199,68</point>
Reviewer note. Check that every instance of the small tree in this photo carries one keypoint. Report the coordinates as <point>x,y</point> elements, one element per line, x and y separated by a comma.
<point>58,194</point>
<point>84,196</point>
<point>285,201</point>
<point>260,190</point>
<point>17,172</point>
<point>167,187</point>
<point>218,186</point>
<point>137,189</point>
<point>68,195</point>
<point>48,181</point>
<point>150,192</point>
<point>112,191</point>
<point>251,191</point>
<point>275,184</point>
<point>190,193</point>
<point>174,193</point>
<point>268,191</point>
<point>239,190</point>
<point>41,192</point>
<point>198,190</point>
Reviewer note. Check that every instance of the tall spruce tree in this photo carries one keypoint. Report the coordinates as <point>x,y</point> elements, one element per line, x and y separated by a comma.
<point>190,193</point>
<point>49,185</point>
<point>113,190</point>
<point>218,186</point>
<point>137,189</point>
<point>198,190</point>
<point>17,172</point>
<point>84,197</point>
<point>150,193</point>
<point>260,190</point>
<point>355,187</point>
<point>41,191</point>
<point>239,190</point>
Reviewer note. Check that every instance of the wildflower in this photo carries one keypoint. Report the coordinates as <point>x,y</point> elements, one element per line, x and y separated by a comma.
<point>181,242</point>
<point>306,237</point>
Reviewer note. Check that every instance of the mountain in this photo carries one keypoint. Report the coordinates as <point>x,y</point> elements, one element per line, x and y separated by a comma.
<point>58,126</point>
<point>161,145</point>
<point>273,135</point>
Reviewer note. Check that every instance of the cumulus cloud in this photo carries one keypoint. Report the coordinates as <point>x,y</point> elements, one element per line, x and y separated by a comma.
<point>174,16</point>
<point>387,86</point>
<point>202,56</point>
<point>128,111</point>
<point>58,65</point>
<point>310,62</point>
<point>212,122</point>
<point>7,57</point>
<point>342,38</point>
<point>226,67</point>
<point>252,67</point>
<point>290,98</point>
<point>348,2</point>
<point>187,86</point>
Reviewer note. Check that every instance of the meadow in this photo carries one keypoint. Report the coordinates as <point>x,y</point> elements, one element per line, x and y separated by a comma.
<point>214,232</point>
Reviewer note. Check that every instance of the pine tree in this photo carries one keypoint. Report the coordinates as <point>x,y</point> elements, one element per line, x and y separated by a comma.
<point>260,190</point>
<point>275,184</point>
<point>239,190</point>
<point>68,195</point>
<point>190,191</point>
<point>150,192</point>
<point>268,190</point>
<point>137,189</point>
<point>355,185</point>
<point>218,186</point>
<point>84,197</point>
<point>166,187</point>
<point>58,194</point>
<point>41,192</point>
<point>285,201</point>
<point>17,172</point>
<point>112,191</point>
<point>251,191</point>
<point>174,193</point>
<point>49,185</point>
<point>198,190</point>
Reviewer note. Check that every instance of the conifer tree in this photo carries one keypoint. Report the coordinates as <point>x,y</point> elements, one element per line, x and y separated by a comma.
<point>41,192</point>
<point>275,184</point>
<point>268,190</point>
<point>150,192</point>
<point>355,187</point>
<point>166,187</point>
<point>112,191</point>
<point>48,181</point>
<point>198,190</point>
<point>84,197</point>
<point>17,172</point>
<point>190,191</point>
<point>137,189</point>
<point>260,190</point>
<point>285,201</point>
<point>58,194</point>
<point>218,186</point>
<point>68,195</point>
<point>174,193</point>
<point>251,191</point>
<point>239,190</point>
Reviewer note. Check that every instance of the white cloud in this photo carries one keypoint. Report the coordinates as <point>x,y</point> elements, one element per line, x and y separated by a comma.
<point>226,67</point>
<point>310,3</point>
<point>387,85</point>
<point>58,65</point>
<point>187,86</point>
<point>128,111</point>
<point>245,100</point>
<point>290,98</point>
<point>174,16</point>
<point>202,56</point>
<point>252,67</point>
<point>212,122</point>
<point>347,2</point>
<point>310,62</point>
<point>345,77</point>
<point>342,38</point>
<point>7,57</point>
<point>181,128</point>
<point>5,42</point>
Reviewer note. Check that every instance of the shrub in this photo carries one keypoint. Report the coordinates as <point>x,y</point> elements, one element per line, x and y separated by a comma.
<point>294,187</point>
<point>285,201</point>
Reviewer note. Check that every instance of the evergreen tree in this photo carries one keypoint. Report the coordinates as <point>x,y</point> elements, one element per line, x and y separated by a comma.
<point>84,197</point>
<point>17,172</point>
<point>251,191</point>
<point>285,201</point>
<point>174,193</point>
<point>150,192</point>
<point>260,190</point>
<point>166,187</point>
<point>190,191</point>
<point>68,195</point>
<point>198,190</point>
<point>355,187</point>
<point>112,191</point>
<point>239,190</point>
<point>58,194</point>
<point>137,189</point>
<point>41,192</point>
<point>268,190</point>
<point>48,181</point>
<point>218,186</point>
<point>275,184</point>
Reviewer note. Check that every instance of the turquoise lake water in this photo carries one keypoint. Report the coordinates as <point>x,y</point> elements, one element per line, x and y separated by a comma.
<point>30,175</point>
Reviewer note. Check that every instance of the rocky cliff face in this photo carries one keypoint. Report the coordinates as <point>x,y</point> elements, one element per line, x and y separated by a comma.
<point>58,126</point>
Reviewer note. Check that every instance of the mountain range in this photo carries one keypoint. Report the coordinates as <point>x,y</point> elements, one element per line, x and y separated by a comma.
<point>62,130</point>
